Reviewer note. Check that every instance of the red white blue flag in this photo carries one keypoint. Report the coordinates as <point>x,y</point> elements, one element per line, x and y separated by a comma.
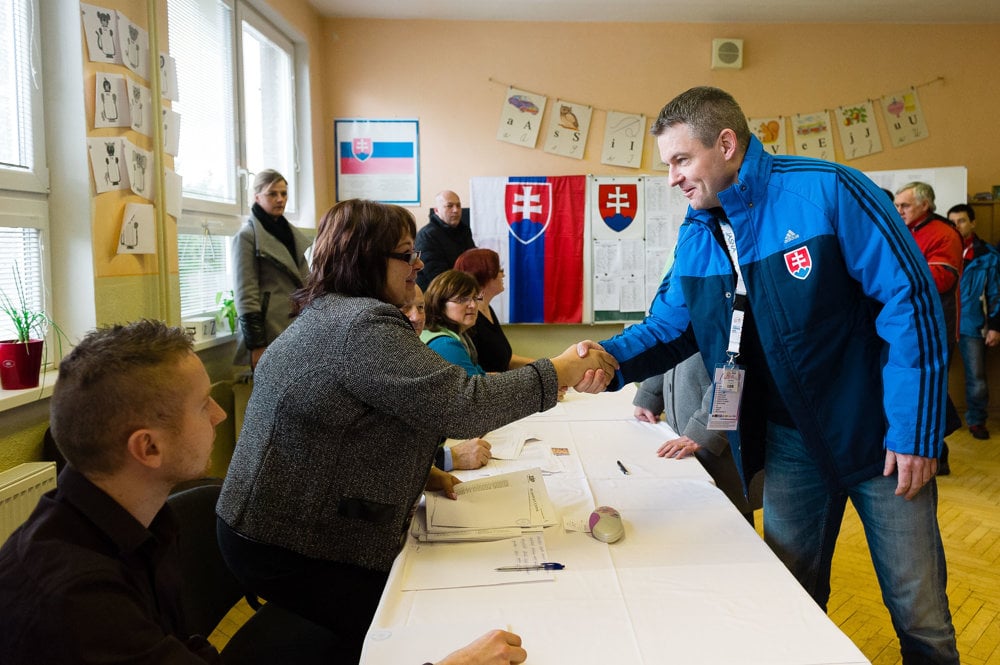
<point>363,156</point>
<point>536,224</point>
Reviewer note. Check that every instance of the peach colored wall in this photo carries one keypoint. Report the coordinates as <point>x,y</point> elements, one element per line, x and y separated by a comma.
<point>440,72</point>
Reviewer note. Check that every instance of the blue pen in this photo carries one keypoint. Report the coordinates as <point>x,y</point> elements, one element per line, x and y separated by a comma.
<point>548,565</point>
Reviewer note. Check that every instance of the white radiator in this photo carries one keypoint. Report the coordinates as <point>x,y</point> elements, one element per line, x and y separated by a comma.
<point>20,489</point>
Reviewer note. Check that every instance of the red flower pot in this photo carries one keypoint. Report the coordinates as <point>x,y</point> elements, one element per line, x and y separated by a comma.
<point>20,364</point>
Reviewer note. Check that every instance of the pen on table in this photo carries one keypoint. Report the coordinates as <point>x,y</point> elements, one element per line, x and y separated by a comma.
<point>548,565</point>
<point>622,467</point>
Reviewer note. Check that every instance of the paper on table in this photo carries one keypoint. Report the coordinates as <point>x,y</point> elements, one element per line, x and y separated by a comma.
<point>429,642</point>
<point>518,499</point>
<point>452,565</point>
<point>419,530</point>
<point>507,442</point>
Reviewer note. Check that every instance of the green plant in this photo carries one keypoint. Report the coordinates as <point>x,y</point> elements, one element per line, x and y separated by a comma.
<point>227,308</point>
<point>24,318</point>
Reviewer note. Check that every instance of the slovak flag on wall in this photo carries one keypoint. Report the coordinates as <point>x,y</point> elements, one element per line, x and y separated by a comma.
<point>536,225</point>
<point>372,156</point>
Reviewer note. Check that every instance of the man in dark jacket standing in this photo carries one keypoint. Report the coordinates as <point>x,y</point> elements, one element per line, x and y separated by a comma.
<point>445,236</point>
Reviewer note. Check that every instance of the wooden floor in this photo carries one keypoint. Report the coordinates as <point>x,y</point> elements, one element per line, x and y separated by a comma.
<point>969,515</point>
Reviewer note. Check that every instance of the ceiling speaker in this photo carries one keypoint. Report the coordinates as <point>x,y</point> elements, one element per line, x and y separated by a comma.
<point>727,54</point>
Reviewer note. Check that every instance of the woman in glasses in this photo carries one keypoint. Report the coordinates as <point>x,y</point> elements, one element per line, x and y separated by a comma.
<point>451,302</point>
<point>346,413</point>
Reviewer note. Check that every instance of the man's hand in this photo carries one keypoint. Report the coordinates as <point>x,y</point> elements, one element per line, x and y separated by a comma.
<point>678,448</point>
<point>497,647</point>
<point>586,366</point>
<point>645,415</point>
<point>992,337</point>
<point>913,472</point>
<point>441,481</point>
<point>470,454</point>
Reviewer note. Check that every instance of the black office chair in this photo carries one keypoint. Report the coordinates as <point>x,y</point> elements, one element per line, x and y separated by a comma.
<point>272,634</point>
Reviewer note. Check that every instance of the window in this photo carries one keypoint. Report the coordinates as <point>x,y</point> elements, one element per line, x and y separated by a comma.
<point>21,147</point>
<point>237,98</point>
<point>23,177</point>
<point>204,268</point>
<point>268,103</point>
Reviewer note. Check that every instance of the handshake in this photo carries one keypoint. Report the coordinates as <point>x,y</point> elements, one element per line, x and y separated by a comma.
<point>586,366</point>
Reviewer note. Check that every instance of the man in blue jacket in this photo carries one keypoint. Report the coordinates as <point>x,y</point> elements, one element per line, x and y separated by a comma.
<point>816,315</point>
<point>979,323</point>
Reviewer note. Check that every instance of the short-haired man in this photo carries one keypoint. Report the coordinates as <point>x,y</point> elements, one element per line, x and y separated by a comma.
<point>941,245</point>
<point>800,271</point>
<point>979,322</point>
<point>93,575</point>
<point>443,238</point>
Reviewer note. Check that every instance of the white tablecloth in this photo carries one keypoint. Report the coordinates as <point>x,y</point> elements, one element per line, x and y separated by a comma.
<point>690,583</point>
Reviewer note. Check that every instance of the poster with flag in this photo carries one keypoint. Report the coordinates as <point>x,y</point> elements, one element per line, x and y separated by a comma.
<point>377,160</point>
<point>536,225</point>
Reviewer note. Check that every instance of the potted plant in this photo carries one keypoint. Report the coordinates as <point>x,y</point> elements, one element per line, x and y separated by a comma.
<point>227,309</point>
<point>21,357</point>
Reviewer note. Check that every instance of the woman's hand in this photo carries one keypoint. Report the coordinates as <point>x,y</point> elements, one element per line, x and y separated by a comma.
<point>678,448</point>
<point>442,481</point>
<point>645,415</point>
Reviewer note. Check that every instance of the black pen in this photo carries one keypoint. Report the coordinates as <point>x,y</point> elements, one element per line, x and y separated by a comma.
<point>622,467</point>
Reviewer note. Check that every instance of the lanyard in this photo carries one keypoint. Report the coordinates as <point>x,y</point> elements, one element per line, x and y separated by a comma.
<point>736,325</point>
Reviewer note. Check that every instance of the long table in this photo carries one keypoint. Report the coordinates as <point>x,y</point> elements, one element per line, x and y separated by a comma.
<point>690,583</point>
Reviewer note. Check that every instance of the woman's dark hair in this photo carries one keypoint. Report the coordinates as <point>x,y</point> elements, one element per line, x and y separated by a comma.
<point>349,254</point>
<point>449,284</point>
<point>483,264</point>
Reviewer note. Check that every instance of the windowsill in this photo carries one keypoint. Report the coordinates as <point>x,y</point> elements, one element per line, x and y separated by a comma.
<point>11,399</point>
<point>217,340</point>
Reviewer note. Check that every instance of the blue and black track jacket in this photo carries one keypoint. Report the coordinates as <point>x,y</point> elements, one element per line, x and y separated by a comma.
<point>847,314</point>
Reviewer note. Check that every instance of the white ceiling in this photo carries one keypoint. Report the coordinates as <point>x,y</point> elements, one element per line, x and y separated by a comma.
<point>677,11</point>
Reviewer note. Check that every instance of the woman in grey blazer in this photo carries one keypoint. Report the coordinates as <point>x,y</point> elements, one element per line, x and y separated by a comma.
<point>269,263</point>
<point>346,413</point>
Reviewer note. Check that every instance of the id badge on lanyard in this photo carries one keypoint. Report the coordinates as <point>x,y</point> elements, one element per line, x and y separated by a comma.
<point>727,387</point>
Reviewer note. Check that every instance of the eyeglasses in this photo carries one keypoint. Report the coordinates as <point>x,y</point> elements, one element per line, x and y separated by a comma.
<point>465,300</point>
<point>410,257</point>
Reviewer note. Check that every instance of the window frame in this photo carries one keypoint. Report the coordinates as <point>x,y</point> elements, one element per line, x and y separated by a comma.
<point>223,218</point>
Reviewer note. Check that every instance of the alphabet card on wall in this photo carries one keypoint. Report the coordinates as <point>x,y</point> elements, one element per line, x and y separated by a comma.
<point>521,117</point>
<point>569,129</point>
<point>904,118</point>
<point>134,44</point>
<point>137,235</point>
<point>100,26</point>
<point>813,136</point>
<point>107,161</point>
<point>858,129</point>
<point>771,132</point>
<point>623,137</point>
<point>111,107</point>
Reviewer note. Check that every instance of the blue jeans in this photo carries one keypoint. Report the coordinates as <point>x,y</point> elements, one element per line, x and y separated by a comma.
<point>977,394</point>
<point>802,518</point>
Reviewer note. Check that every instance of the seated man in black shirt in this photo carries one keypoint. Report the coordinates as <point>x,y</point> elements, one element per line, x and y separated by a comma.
<point>93,575</point>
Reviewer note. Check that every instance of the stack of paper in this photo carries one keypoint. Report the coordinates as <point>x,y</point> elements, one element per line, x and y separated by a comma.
<point>491,508</point>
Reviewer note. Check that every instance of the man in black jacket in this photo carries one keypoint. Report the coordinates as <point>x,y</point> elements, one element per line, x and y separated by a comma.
<point>446,235</point>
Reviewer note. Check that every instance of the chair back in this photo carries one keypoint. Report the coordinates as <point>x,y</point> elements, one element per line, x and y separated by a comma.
<point>209,588</point>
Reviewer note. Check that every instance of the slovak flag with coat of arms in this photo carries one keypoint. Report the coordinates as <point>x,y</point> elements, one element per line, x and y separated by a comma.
<point>536,225</point>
